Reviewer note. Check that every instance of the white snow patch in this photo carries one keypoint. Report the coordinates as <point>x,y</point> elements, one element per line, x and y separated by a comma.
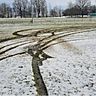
<point>67,74</point>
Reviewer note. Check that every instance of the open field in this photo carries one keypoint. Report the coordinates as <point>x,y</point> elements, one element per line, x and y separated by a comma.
<point>55,56</point>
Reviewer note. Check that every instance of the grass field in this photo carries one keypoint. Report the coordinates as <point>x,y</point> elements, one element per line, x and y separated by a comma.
<point>55,56</point>
<point>8,26</point>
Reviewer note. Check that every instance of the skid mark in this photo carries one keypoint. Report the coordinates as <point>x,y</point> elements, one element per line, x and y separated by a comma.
<point>2,52</point>
<point>5,57</point>
<point>38,55</point>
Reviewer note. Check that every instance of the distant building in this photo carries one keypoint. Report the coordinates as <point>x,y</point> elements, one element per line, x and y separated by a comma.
<point>92,14</point>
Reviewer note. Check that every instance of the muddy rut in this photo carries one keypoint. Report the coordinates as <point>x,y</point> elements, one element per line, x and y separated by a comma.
<point>42,42</point>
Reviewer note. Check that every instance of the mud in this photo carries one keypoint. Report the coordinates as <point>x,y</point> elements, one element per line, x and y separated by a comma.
<point>40,85</point>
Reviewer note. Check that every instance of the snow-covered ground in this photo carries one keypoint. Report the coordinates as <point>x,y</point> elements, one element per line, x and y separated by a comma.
<point>72,71</point>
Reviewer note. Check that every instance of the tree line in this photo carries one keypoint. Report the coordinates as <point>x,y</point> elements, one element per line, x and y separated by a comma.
<point>39,8</point>
<point>24,8</point>
<point>81,7</point>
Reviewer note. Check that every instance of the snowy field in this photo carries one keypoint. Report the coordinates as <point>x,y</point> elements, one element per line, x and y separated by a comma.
<point>71,71</point>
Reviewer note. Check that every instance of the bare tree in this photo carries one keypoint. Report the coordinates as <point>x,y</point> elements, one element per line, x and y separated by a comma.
<point>5,10</point>
<point>9,12</point>
<point>56,12</point>
<point>31,8</point>
<point>40,7</point>
<point>17,6</point>
<point>82,4</point>
<point>53,13</point>
<point>71,8</point>
<point>24,7</point>
<point>37,7</point>
<point>43,7</point>
<point>93,9</point>
<point>20,7</point>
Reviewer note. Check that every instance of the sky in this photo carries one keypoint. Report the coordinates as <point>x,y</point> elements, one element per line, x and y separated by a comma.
<point>52,3</point>
<point>62,3</point>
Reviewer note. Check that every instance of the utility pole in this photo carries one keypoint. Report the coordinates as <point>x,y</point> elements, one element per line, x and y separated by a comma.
<point>32,10</point>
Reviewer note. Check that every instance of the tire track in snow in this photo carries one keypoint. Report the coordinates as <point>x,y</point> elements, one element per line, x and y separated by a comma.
<point>46,43</point>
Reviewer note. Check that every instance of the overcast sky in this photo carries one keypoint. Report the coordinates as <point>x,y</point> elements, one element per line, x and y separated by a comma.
<point>63,3</point>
